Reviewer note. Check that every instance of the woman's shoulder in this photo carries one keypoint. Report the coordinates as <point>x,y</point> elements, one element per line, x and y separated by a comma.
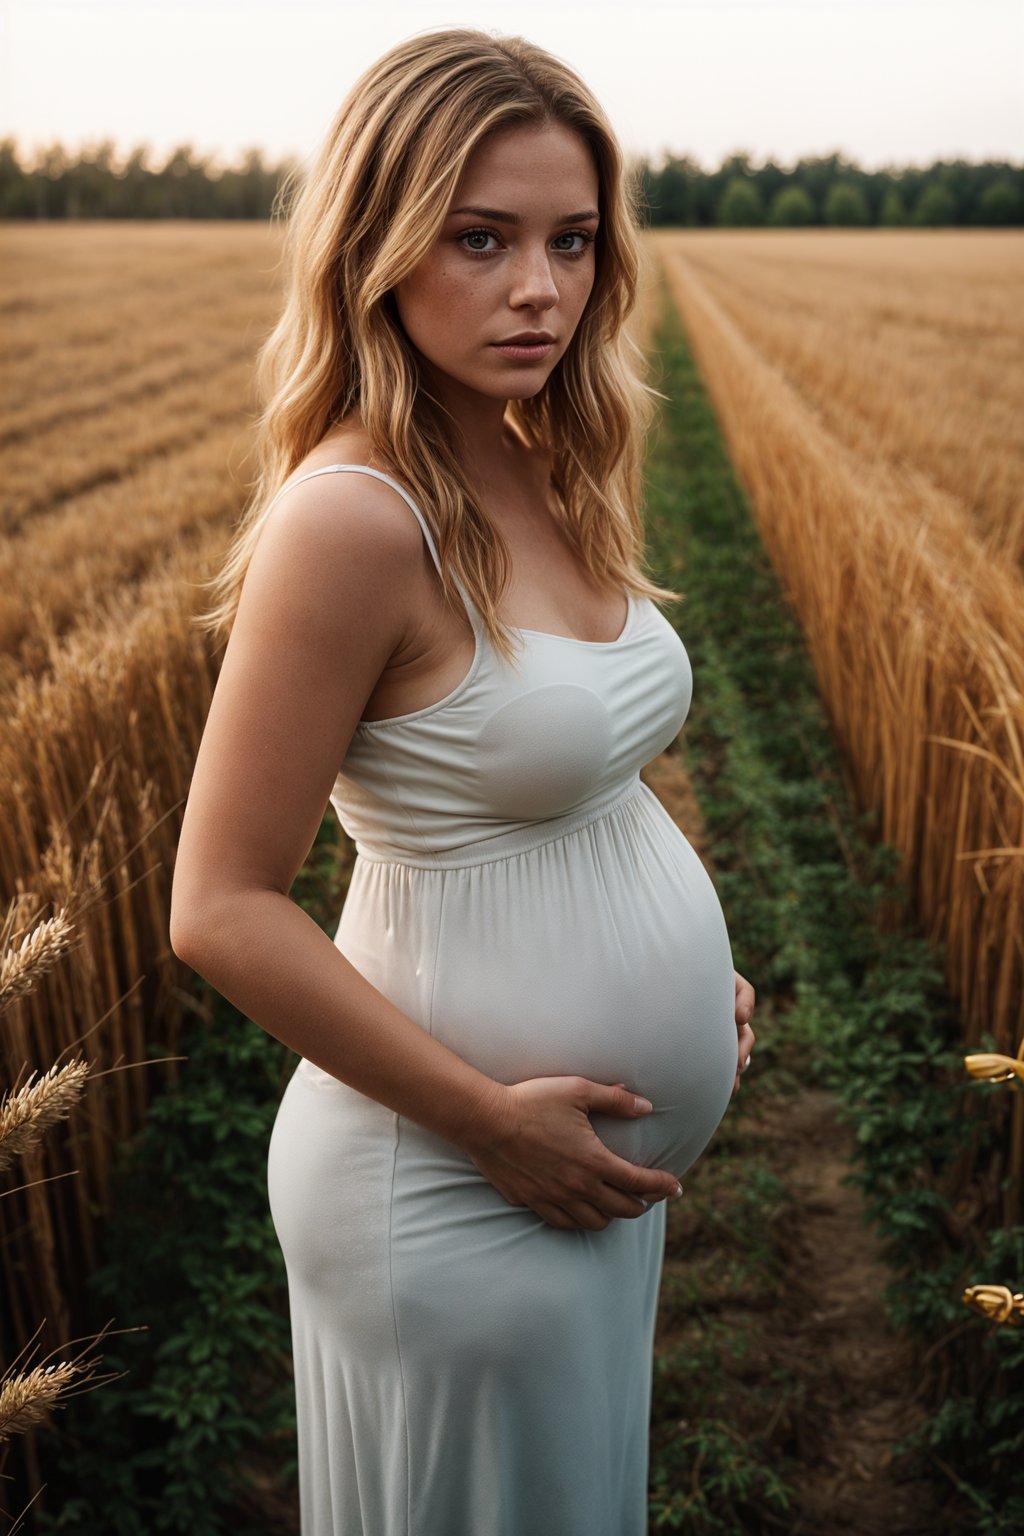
<point>339,445</point>
<point>348,516</point>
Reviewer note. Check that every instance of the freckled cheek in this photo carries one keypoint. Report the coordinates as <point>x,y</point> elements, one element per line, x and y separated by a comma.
<point>435,311</point>
<point>573,300</point>
<point>455,298</point>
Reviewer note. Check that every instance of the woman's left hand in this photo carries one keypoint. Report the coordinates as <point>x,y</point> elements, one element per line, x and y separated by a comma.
<point>744,1010</point>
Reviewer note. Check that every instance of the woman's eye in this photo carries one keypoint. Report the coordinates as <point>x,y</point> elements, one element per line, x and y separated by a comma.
<point>478,237</point>
<point>584,238</point>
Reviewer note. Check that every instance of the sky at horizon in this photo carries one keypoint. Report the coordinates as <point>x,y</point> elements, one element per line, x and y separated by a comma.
<point>895,82</point>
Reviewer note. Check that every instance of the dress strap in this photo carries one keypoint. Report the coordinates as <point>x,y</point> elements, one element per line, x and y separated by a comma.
<point>364,469</point>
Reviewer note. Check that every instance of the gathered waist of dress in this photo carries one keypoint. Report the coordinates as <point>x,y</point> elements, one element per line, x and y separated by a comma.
<point>515,840</point>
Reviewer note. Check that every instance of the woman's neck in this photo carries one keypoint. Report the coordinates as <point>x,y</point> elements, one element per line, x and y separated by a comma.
<point>494,451</point>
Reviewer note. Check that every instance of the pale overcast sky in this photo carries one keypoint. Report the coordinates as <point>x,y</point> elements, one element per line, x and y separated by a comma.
<point>885,81</point>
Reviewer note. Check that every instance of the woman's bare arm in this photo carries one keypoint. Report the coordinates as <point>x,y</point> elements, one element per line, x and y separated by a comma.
<point>318,619</point>
<point>325,605</point>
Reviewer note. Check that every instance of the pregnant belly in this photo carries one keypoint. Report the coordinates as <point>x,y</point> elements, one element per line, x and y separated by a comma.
<point>605,954</point>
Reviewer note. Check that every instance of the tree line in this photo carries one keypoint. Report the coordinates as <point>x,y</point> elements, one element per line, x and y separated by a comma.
<point>832,190</point>
<point>676,191</point>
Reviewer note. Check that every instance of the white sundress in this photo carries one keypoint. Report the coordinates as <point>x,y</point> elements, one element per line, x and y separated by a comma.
<point>462,1368</point>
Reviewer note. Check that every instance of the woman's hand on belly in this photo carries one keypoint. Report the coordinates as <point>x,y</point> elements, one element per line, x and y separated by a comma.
<point>744,1011</point>
<point>543,1152</point>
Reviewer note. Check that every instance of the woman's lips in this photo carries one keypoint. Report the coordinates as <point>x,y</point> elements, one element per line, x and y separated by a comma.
<point>524,352</point>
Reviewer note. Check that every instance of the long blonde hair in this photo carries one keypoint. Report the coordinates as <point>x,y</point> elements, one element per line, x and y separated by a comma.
<point>365,214</point>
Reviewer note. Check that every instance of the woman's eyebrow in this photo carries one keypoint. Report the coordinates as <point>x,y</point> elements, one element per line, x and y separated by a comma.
<point>514,218</point>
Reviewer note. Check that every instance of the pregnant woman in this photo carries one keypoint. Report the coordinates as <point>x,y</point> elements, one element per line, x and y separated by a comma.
<point>527,1026</point>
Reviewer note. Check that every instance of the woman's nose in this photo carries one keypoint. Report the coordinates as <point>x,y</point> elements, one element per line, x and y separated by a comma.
<point>533,282</point>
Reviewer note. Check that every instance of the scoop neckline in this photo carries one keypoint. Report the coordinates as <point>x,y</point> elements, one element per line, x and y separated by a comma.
<point>538,634</point>
<point>480,643</point>
<point>549,634</point>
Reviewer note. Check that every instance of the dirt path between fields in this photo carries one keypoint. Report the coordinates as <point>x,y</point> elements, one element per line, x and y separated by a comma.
<point>834,1334</point>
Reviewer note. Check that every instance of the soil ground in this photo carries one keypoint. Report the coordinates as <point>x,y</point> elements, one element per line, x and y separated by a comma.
<point>834,1334</point>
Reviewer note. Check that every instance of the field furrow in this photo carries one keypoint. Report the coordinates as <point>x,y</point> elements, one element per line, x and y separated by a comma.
<point>61,571</point>
<point>62,464</point>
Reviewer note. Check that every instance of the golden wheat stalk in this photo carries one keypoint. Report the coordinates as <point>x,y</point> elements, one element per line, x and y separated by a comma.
<point>26,1112</point>
<point>997,1302</point>
<point>23,964</point>
<point>28,1392</point>
<point>995,1068</point>
<point>22,910</point>
<point>26,1400</point>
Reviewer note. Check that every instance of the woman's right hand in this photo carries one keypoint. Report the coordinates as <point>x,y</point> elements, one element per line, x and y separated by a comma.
<point>540,1150</point>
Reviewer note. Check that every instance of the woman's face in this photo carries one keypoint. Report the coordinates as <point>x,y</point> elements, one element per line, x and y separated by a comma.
<point>515,258</point>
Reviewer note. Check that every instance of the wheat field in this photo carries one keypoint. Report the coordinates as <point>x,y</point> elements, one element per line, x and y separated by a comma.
<point>869,384</point>
<point>125,434</point>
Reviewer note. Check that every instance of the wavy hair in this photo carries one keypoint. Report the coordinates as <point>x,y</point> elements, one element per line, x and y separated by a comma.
<point>367,211</point>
